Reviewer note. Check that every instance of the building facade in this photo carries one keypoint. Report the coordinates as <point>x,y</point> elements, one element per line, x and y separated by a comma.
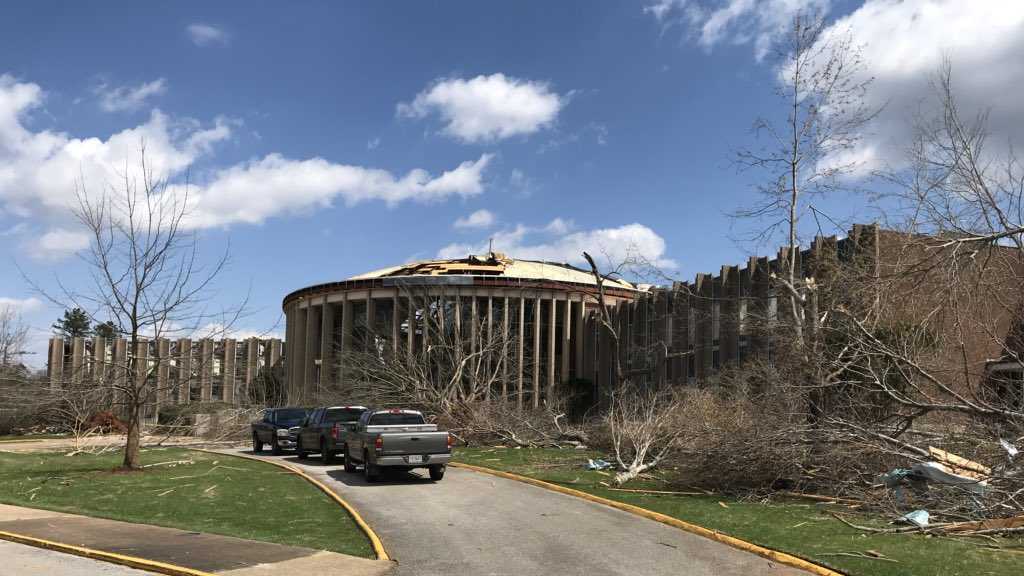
<point>539,306</point>
<point>180,371</point>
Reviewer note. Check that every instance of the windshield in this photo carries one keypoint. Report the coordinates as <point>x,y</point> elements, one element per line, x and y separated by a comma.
<point>290,416</point>
<point>393,419</point>
<point>343,415</point>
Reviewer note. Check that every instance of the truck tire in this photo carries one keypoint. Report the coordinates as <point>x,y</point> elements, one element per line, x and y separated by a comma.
<point>257,446</point>
<point>298,449</point>
<point>369,470</point>
<point>326,456</point>
<point>350,466</point>
<point>437,472</point>
<point>275,448</point>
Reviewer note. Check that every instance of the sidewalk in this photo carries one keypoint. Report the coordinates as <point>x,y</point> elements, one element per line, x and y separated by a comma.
<point>206,552</point>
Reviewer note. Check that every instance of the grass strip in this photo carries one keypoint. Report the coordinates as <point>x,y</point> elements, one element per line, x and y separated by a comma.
<point>185,489</point>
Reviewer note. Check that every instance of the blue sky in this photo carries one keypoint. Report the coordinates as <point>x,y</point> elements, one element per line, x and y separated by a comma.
<point>331,138</point>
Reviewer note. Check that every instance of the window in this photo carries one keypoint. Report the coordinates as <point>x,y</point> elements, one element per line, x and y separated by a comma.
<point>691,366</point>
<point>691,330</point>
<point>343,415</point>
<point>742,313</point>
<point>395,419</point>
<point>773,309</point>
<point>716,321</point>
<point>291,416</point>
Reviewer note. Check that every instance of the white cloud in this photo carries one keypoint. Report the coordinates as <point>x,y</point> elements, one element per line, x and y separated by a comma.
<point>373,143</point>
<point>206,34</point>
<point>480,219</point>
<point>39,170</point>
<point>21,305</point>
<point>757,22</point>
<point>252,192</point>
<point>487,108</point>
<point>904,44</point>
<point>128,98</point>
<point>557,241</point>
<point>57,243</point>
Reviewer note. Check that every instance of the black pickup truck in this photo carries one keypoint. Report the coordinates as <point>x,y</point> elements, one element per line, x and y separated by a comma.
<point>324,431</point>
<point>274,428</point>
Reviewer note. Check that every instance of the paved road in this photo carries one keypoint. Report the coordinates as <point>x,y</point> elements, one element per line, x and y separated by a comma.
<point>21,560</point>
<point>472,524</point>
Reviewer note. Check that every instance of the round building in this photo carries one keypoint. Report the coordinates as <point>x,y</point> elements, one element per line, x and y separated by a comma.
<point>537,309</point>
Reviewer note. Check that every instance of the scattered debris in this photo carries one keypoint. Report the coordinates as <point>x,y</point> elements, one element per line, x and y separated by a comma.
<point>918,518</point>
<point>867,554</point>
<point>1011,449</point>
<point>723,504</point>
<point>598,464</point>
<point>992,524</point>
<point>669,492</point>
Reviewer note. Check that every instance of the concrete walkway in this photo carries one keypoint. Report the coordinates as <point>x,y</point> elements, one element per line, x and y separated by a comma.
<point>474,524</point>
<point>22,560</point>
<point>199,551</point>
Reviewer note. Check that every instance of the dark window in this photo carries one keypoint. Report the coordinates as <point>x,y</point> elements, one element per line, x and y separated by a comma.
<point>343,415</point>
<point>691,367</point>
<point>395,419</point>
<point>290,417</point>
<point>716,359</point>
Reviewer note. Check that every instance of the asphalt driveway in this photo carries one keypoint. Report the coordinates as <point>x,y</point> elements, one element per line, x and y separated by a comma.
<point>473,524</point>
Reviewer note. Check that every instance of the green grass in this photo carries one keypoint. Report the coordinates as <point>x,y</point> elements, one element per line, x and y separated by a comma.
<point>217,494</point>
<point>798,527</point>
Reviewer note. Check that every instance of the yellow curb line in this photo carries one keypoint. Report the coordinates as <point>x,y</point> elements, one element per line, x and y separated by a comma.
<point>375,541</point>
<point>113,558</point>
<point>780,557</point>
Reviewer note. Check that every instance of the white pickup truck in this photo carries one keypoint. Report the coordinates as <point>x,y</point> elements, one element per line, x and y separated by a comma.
<point>396,439</point>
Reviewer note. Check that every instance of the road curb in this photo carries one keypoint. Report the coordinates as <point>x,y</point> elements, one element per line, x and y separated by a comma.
<point>375,541</point>
<point>112,557</point>
<point>780,557</point>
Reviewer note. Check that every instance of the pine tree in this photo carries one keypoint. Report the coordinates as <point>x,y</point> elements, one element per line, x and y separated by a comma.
<point>106,330</point>
<point>75,323</point>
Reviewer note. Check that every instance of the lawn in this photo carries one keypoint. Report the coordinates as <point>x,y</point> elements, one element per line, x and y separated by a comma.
<point>30,437</point>
<point>801,528</point>
<point>209,493</point>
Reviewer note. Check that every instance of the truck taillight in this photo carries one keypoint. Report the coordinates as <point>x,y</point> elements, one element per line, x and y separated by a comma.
<point>378,444</point>
<point>451,441</point>
<point>336,431</point>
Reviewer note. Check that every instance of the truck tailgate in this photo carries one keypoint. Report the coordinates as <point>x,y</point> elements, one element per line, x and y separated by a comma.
<point>402,443</point>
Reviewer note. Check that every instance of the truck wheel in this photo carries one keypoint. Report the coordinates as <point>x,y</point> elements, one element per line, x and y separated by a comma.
<point>326,456</point>
<point>275,448</point>
<point>299,451</point>
<point>350,466</point>
<point>257,446</point>
<point>369,470</point>
<point>437,472</point>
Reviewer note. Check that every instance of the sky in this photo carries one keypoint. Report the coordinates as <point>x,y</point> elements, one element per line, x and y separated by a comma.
<point>325,139</point>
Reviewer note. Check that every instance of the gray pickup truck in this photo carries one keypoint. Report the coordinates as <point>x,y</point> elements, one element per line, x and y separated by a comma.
<point>325,430</point>
<point>396,440</point>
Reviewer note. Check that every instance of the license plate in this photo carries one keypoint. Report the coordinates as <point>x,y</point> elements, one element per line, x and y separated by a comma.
<point>415,459</point>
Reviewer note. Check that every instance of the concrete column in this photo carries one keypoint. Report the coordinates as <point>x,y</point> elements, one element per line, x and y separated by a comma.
<point>371,323</point>
<point>566,338</point>
<point>184,368</point>
<point>99,364</point>
<point>346,335</point>
<point>327,361</point>
<point>411,336</point>
<point>522,345</point>
<point>395,323</point>
<point>77,358</point>
<point>163,372</point>
<point>55,366</point>
<point>312,350</point>
<point>297,356</point>
<point>490,340</point>
<point>579,332</point>
<point>552,321</point>
<point>474,345</point>
<point>458,317</point>
<point>291,341</point>
<point>205,370</point>
<point>537,317</point>
<point>252,361</point>
<point>227,382</point>
<point>120,369</point>
<point>504,349</point>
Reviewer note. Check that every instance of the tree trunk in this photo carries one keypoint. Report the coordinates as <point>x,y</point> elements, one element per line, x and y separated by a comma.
<point>131,447</point>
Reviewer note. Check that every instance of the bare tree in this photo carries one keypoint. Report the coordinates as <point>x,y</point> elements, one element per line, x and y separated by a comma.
<point>821,88</point>
<point>147,277</point>
<point>13,338</point>
<point>641,422</point>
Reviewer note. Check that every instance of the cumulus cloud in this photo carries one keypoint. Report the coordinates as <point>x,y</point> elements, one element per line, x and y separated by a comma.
<point>480,219</point>
<point>904,44</point>
<point>254,191</point>
<point>757,22</point>
<point>40,169</point>
<point>57,243</point>
<point>21,305</point>
<point>128,98</point>
<point>206,34</point>
<point>487,108</point>
<point>560,241</point>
